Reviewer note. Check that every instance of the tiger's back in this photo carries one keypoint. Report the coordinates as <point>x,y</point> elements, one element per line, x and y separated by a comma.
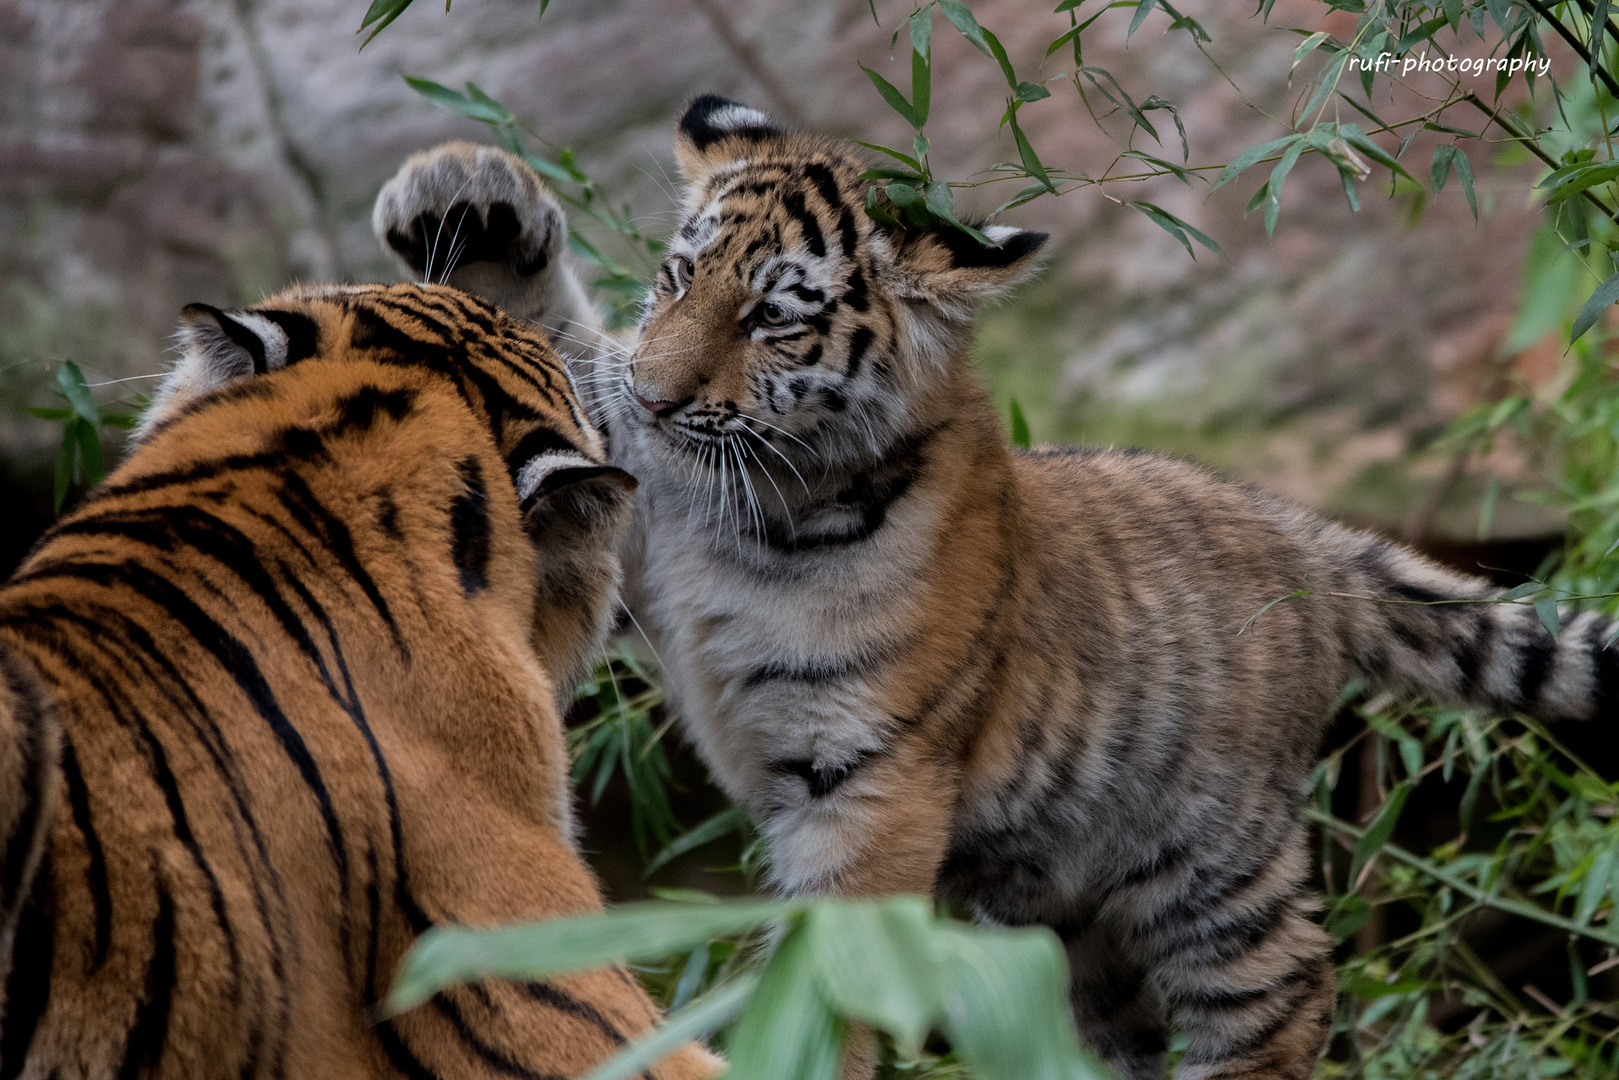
<point>299,648</point>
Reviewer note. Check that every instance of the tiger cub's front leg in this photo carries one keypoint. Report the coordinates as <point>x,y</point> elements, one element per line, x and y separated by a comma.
<point>480,219</point>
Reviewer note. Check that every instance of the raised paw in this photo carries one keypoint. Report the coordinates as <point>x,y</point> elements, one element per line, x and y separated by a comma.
<point>462,208</point>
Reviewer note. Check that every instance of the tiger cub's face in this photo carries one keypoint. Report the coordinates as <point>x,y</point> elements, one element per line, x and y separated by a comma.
<point>783,314</point>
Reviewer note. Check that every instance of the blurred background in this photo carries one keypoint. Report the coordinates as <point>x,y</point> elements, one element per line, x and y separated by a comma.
<point>159,152</point>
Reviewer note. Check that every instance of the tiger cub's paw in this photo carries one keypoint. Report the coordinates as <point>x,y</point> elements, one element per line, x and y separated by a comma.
<point>477,218</point>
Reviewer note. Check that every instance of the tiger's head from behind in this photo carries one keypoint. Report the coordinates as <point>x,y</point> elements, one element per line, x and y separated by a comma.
<point>504,369</point>
<point>785,313</point>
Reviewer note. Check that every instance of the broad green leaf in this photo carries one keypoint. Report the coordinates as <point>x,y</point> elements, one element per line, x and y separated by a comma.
<point>1273,186</point>
<point>71,382</point>
<point>1546,608</point>
<point>90,454</point>
<point>1177,228</point>
<point>938,200</point>
<point>920,26</point>
<point>787,1031</point>
<point>962,19</point>
<point>1573,179</point>
<point>891,152</point>
<point>1251,157</point>
<point>895,99</point>
<point>447,955</point>
<point>1464,173</point>
<point>1020,426</point>
<point>1354,136</point>
<point>998,51</point>
<point>551,169</point>
<point>66,454</point>
<point>721,824</point>
<point>475,93</point>
<point>1594,887</point>
<point>1026,153</point>
<point>910,203</point>
<point>921,88</point>
<point>875,211</point>
<point>458,102</point>
<point>1378,832</point>
<point>1181,173</point>
<point>1143,9</point>
<point>1605,296</point>
<point>1006,1005</point>
<point>876,963</point>
<point>379,15</point>
<point>695,1021</point>
<point>1028,91</point>
<point>1518,592</point>
<point>51,414</point>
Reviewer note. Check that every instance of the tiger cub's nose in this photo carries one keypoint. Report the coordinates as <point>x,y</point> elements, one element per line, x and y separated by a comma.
<point>656,407</point>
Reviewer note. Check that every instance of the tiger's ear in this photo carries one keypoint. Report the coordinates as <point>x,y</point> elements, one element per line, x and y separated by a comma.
<point>952,271</point>
<point>715,131</point>
<point>565,495</point>
<point>217,349</point>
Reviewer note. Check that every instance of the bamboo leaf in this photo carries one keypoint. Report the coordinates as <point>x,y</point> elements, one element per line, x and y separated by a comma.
<point>66,454</point>
<point>379,15</point>
<point>1546,608</point>
<point>962,19</point>
<point>895,99</point>
<point>1143,9</point>
<point>1605,296</point>
<point>70,380</point>
<point>788,1030</point>
<point>1020,426</point>
<point>1251,157</point>
<point>1177,228</point>
<point>90,453</point>
<point>695,1021</point>
<point>1273,186</point>
<point>877,963</point>
<point>721,824</point>
<point>1026,153</point>
<point>1379,831</point>
<point>458,102</point>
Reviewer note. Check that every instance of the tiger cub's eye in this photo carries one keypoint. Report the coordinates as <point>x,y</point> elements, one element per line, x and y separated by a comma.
<point>774,315</point>
<point>685,270</point>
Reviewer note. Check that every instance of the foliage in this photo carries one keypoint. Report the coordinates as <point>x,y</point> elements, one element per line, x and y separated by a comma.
<point>999,996</point>
<point>79,461</point>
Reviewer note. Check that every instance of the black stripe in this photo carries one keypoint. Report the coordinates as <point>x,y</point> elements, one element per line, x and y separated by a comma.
<point>492,1056</point>
<point>562,1001</point>
<point>859,342</point>
<point>28,982</point>
<point>470,529</point>
<point>826,185</point>
<point>793,203</point>
<point>321,523</point>
<point>1307,987</point>
<point>33,723</point>
<point>359,410</point>
<point>303,333</point>
<point>78,797</point>
<point>151,1028</point>
<point>1538,653</point>
<point>855,294</point>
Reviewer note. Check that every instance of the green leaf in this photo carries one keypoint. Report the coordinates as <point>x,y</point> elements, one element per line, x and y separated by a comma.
<point>721,824</point>
<point>1028,91</point>
<point>938,200</point>
<point>891,152</point>
<point>962,19</point>
<point>695,1021</point>
<point>1464,173</point>
<point>910,203</point>
<point>71,382</point>
<point>494,107</point>
<point>999,53</point>
<point>921,88</point>
<point>787,1031</point>
<point>1378,832</point>
<point>1546,608</point>
<point>65,457</point>
<point>920,25</point>
<point>1354,136</point>
<point>1251,157</point>
<point>51,414</point>
<point>1128,104</point>
<point>1181,173</point>
<point>1518,592</point>
<point>458,102</point>
<point>1347,916</point>
<point>895,99</point>
<point>875,210</point>
<point>447,955</point>
<point>1308,46</point>
<point>1605,297</point>
<point>380,14</point>
<point>1006,1005</point>
<point>1020,426</point>
<point>1177,228</point>
<point>1595,886</point>
<point>1031,162</point>
<point>1278,176</point>
<point>90,454</point>
<point>1143,9</point>
<point>1572,179</point>
<point>876,963</point>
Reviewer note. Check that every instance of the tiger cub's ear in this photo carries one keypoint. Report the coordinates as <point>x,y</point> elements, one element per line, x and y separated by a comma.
<point>218,348</point>
<point>565,496</point>
<point>954,272</point>
<point>715,131</point>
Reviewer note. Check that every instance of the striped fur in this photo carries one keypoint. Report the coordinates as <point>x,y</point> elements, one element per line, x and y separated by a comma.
<point>926,662</point>
<point>305,647</point>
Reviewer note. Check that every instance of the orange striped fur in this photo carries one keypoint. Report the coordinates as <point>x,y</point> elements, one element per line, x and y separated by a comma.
<point>306,648</point>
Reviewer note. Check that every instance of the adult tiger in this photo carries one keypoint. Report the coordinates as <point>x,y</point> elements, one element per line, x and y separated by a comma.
<point>925,662</point>
<point>303,651</point>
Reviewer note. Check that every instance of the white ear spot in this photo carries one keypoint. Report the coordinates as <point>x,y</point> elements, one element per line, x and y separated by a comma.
<point>531,478</point>
<point>270,333</point>
<point>733,117</point>
<point>1000,233</point>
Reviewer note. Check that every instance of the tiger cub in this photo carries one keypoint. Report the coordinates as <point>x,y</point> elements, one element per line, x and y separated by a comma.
<point>282,694</point>
<point>1029,681</point>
